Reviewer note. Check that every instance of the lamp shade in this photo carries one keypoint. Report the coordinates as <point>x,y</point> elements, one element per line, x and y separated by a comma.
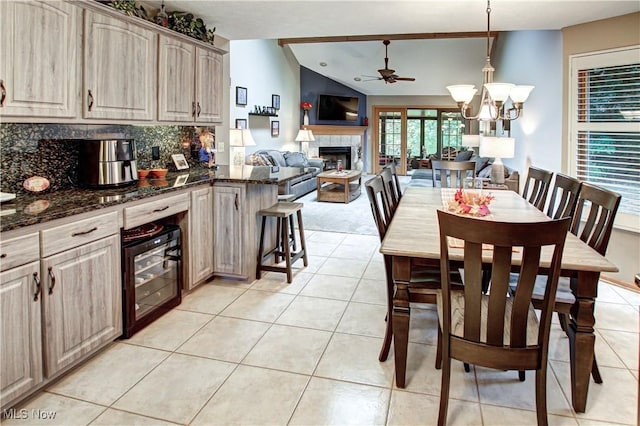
<point>462,92</point>
<point>241,137</point>
<point>520,93</point>
<point>497,147</point>
<point>499,92</point>
<point>471,141</point>
<point>304,135</point>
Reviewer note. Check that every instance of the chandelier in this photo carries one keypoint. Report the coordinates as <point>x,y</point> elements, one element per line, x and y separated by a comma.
<point>494,95</point>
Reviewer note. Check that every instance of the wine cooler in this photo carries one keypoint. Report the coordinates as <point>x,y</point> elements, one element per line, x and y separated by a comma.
<point>151,274</point>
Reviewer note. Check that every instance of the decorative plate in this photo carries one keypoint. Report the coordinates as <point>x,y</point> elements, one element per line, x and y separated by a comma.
<point>36,207</point>
<point>141,231</point>
<point>36,184</point>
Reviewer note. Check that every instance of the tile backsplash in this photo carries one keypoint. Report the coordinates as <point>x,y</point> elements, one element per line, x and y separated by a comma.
<point>51,150</point>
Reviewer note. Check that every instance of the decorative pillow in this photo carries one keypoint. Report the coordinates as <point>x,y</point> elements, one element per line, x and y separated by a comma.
<point>296,159</point>
<point>464,156</point>
<point>481,163</point>
<point>486,172</point>
<point>257,160</point>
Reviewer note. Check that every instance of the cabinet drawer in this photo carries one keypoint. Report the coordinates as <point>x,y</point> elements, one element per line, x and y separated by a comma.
<point>19,251</point>
<point>154,210</point>
<point>74,234</point>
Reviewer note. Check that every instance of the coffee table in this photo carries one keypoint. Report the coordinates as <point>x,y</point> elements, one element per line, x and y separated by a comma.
<point>339,187</point>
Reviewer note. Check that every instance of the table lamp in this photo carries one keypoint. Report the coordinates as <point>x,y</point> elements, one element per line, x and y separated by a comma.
<point>304,137</point>
<point>497,148</point>
<point>238,140</point>
<point>471,141</point>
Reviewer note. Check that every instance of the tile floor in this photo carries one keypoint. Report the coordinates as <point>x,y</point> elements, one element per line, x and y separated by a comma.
<point>306,354</point>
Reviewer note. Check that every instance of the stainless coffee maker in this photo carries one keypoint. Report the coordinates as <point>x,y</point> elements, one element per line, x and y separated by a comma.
<point>107,163</point>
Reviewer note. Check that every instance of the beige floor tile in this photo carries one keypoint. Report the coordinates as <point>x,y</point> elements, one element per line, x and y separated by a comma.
<point>277,281</point>
<point>408,408</point>
<point>210,299</point>
<point>50,409</point>
<point>355,359</point>
<point>113,417</point>
<point>377,257</point>
<point>613,316</point>
<point>258,305</point>
<point>328,237</point>
<point>423,325</point>
<point>313,312</point>
<point>330,402</point>
<point>292,349</point>
<point>559,349</point>
<point>503,388</point>
<point>223,282</point>
<point>330,287</point>
<point>320,248</point>
<point>608,294</point>
<point>375,271</point>
<point>371,291</point>
<point>176,389</point>
<point>170,330</point>
<point>226,339</point>
<point>493,415</point>
<point>423,377</point>
<point>615,400</point>
<point>630,296</point>
<point>363,319</point>
<point>254,396</point>
<point>96,382</point>
<point>362,241</point>
<point>351,252</point>
<point>343,267</point>
<point>315,262</point>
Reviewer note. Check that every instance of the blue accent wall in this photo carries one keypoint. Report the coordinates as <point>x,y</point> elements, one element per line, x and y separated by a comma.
<point>313,84</point>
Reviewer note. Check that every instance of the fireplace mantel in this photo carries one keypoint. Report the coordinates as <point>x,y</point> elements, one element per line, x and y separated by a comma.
<point>337,130</point>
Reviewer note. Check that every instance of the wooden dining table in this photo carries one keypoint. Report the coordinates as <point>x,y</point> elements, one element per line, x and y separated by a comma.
<point>414,234</point>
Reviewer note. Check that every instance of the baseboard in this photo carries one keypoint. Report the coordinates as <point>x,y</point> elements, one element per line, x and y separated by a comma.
<point>619,283</point>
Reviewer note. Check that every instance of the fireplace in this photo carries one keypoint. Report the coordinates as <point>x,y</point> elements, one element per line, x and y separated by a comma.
<point>334,153</point>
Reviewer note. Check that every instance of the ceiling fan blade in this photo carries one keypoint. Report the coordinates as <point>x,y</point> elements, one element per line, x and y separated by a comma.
<point>405,78</point>
<point>372,79</point>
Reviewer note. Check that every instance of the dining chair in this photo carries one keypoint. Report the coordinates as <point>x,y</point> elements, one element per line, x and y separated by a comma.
<point>455,171</point>
<point>592,223</point>
<point>567,188</point>
<point>396,181</point>
<point>389,188</point>
<point>425,281</point>
<point>539,181</point>
<point>497,330</point>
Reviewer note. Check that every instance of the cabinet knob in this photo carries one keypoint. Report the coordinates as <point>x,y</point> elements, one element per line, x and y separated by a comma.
<point>199,109</point>
<point>235,202</point>
<point>36,281</point>
<point>76,234</point>
<point>52,279</point>
<point>3,93</point>
<point>193,109</point>
<point>90,99</point>
<point>160,209</point>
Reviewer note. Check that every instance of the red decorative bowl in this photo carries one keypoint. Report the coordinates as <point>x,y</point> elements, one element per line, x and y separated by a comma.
<point>158,173</point>
<point>142,173</point>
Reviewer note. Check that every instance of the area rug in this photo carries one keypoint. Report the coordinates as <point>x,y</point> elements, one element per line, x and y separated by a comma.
<point>352,218</point>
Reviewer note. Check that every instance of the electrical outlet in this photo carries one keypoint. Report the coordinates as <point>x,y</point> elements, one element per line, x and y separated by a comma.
<point>155,152</point>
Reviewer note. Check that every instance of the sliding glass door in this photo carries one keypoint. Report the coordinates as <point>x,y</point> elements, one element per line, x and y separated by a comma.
<point>390,132</point>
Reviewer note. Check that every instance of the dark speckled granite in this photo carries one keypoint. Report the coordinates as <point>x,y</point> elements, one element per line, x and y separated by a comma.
<point>67,202</point>
<point>51,150</point>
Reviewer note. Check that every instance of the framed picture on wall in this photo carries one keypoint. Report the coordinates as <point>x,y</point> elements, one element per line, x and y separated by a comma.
<point>241,123</point>
<point>241,95</point>
<point>275,102</point>
<point>275,128</point>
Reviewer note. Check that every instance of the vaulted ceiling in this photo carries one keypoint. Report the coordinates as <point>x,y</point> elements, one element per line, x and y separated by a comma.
<point>433,62</point>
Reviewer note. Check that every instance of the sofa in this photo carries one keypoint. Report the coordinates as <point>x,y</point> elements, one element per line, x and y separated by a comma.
<point>423,177</point>
<point>297,186</point>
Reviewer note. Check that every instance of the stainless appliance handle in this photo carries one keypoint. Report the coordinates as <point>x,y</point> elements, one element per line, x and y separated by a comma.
<point>36,280</point>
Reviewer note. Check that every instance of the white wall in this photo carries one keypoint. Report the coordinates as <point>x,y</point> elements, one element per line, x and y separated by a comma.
<point>535,58</point>
<point>265,68</point>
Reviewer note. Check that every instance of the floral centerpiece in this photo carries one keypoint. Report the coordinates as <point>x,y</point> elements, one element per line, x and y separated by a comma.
<point>470,202</point>
<point>306,106</point>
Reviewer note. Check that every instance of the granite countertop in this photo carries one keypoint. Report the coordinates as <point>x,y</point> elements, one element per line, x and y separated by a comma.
<point>29,209</point>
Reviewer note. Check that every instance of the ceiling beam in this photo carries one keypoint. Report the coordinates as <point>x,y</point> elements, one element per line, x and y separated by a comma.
<point>380,37</point>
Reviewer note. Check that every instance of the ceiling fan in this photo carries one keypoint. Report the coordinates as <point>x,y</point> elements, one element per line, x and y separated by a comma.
<point>387,74</point>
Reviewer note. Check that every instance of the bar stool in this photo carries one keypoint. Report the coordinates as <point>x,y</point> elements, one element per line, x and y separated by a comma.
<point>292,229</point>
<point>283,212</point>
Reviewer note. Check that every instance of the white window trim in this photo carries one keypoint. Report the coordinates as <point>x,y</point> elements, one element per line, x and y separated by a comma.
<point>602,58</point>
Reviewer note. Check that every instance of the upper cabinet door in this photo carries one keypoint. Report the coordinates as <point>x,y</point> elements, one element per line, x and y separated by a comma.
<point>176,80</point>
<point>120,72</point>
<point>39,67</point>
<point>208,86</point>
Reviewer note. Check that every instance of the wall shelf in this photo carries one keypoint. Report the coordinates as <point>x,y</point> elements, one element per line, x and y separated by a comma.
<point>263,115</point>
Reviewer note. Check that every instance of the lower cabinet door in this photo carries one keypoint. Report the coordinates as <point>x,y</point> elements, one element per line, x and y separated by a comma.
<point>201,236</point>
<point>20,334</point>
<point>228,209</point>
<point>82,304</point>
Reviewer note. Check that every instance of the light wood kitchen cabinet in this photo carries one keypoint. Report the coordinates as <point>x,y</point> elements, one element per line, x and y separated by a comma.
<point>120,69</point>
<point>228,224</point>
<point>39,69</point>
<point>201,247</point>
<point>21,333</point>
<point>190,82</point>
<point>82,301</point>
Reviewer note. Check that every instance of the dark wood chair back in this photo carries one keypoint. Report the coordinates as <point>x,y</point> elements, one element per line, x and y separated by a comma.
<point>564,197</point>
<point>536,186</point>
<point>389,189</point>
<point>379,203</point>
<point>452,173</point>
<point>396,181</point>
<point>497,330</point>
<point>602,206</point>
